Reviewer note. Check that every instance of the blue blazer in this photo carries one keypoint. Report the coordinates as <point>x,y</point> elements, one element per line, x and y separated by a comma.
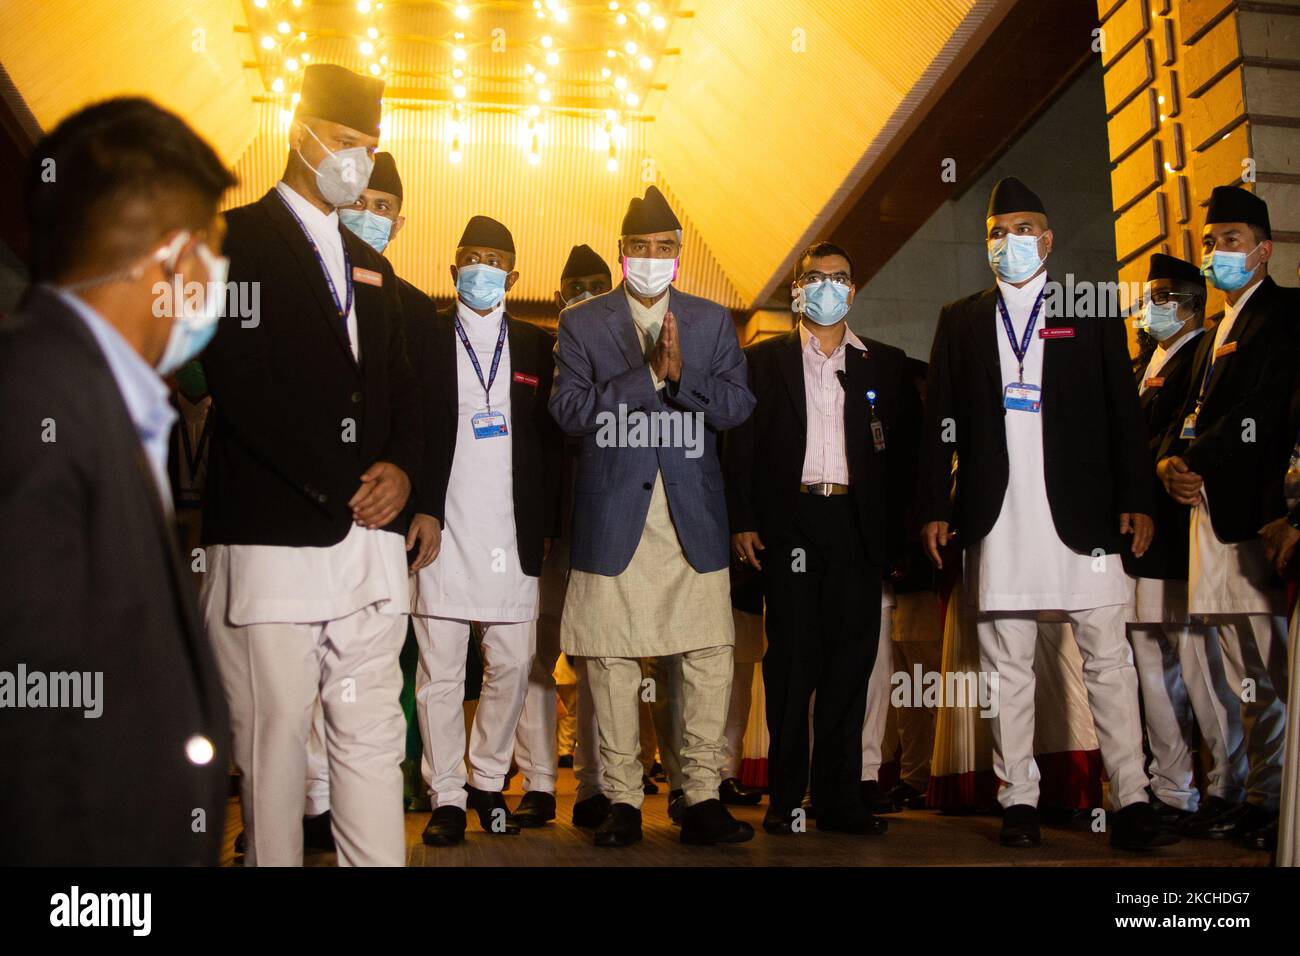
<point>602,378</point>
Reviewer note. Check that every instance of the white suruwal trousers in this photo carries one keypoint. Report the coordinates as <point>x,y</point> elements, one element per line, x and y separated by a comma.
<point>275,676</point>
<point>1182,675</point>
<point>439,703</point>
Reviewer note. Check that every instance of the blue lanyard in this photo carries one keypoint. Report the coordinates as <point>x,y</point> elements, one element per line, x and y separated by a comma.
<point>496,358</point>
<point>345,308</point>
<point>1022,349</point>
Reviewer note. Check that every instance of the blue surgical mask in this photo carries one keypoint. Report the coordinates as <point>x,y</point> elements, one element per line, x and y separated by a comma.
<point>825,302</point>
<point>1015,258</point>
<point>195,325</point>
<point>1160,320</point>
<point>481,286</point>
<point>370,227</point>
<point>341,176</point>
<point>1227,270</point>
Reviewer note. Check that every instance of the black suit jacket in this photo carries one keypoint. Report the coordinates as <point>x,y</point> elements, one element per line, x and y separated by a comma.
<point>94,583</point>
<point>536,442</point>
<point>280,471</point>
<point>1243,439</point>
<point>1161,404</point>
<point>763,457</point>
<point>1095,458</point>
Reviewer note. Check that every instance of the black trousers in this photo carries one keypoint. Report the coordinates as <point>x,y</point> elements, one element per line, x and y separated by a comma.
<point>823,622</point>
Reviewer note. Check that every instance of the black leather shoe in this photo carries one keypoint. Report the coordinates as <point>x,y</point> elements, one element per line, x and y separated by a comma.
<point>493,814</point>
<point>874,799</point>
<point>1265,838</point>
<point>591,812</point>
<point>565,762</point>
<point>1020,826</point>
<point>318,833</point>
<point>241,843</point>
<point>648,786</point>
<point>733,793</point>
<point>1208,819</point>
<point>676,804</point>
<point>1170,817</point>
<point>536,809</point>
<point>710,823</point>
<point>779,822</point>
<point>906,797</point>
<point>1238,821</point>
<point>621,826</point>
<point>1136,827</point>
<point>446,827</point>
<point>857,821</point>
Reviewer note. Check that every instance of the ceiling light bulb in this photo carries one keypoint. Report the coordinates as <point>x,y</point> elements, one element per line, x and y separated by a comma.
<point>659,23</point>
<point>552,58</point>
<point>462,13</point>
<point>283,26</point>
<point>458,91</point>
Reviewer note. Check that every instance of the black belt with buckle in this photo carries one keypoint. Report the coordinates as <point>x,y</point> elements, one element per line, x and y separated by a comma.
<point>824,489</point>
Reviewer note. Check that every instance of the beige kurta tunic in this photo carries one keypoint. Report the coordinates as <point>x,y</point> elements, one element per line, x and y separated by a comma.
<point>659,605</point>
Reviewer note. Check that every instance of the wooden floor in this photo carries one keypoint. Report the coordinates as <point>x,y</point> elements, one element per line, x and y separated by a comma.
<point>917,838</point>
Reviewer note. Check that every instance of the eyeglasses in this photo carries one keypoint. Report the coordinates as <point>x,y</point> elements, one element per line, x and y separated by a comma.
<point>812,278</point>
<point>1162,296</point>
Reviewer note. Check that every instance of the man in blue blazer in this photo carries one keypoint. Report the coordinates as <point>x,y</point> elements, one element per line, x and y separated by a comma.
<point>648,376</point>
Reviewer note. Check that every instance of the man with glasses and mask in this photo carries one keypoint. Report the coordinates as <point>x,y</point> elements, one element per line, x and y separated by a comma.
<point>315,447</point>
<point>1052,483</point>
<point>1177,658</point>
<point>818,480</point>
<point>1223,456</point>
<point>118,775</point>
<point>648,558</point>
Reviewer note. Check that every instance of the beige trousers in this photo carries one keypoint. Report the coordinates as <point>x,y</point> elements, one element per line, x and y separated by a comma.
<point>705,693</point>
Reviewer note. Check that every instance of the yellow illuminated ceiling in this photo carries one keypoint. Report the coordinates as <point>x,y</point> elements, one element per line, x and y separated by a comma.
<point>759,118</point>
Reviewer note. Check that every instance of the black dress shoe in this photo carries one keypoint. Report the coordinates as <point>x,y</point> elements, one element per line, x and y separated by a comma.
<point>536,809</point>
<point>318,833</point>
<point>621,826</point>
<point>1020,826</point>
<point>779,822</point>
<point>1136,827</point>
<point>906,797</point>
<point>1207,821</point>
<point>493,814</point>
<point>733,793</point>
<point>657,772</point>
<point>857,821</point>
<point>446,827</point>
<point>676,804</point>
<point>1265,838</point>
<point>648,786</point>
<point>241,843</point>
<point>1169,816</point>
<point>565,762</point>
<point>874,799</point>
<point>1238,821</point>
<point>591,812</point>
<point>710,823</point>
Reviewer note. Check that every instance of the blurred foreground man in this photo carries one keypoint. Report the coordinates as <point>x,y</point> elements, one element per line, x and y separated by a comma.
<point>818,481</point>
<point>113,727</point>
<point>1224,456</point>
<point>1052,476</point>
<point>315,443</point>
<point>648,376</point>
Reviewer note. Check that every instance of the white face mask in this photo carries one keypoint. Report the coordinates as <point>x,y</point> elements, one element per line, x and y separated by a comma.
<point>342,175</point>
<point>194,324</point>
<point>649,277</point>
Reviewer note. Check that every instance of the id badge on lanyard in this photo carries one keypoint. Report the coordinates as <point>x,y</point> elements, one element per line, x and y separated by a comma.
<point>486,423</point>
<point>1021,396</point>
<point>877,426</point>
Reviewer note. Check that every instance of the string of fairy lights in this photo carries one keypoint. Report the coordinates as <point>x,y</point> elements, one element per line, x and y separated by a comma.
<point>595,60</point>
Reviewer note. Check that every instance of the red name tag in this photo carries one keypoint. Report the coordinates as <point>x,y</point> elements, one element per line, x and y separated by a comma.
<point>1065,333</point>
<point>527,379</point>
<point>1226,349</point>
<point>1155,382</point>
<point>367,276</point>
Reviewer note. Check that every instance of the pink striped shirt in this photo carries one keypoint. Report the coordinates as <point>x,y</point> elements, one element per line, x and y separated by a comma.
<point>825,458</point>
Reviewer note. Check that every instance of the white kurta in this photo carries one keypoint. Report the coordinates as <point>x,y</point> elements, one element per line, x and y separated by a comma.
<point>1227,578</point>
<point>1022,564</point>
<point>269,584</point>
<point>477,575</point>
